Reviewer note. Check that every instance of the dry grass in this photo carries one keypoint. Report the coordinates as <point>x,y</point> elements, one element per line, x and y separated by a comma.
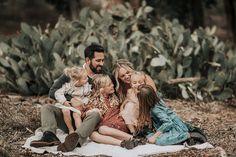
<point>20,116</point>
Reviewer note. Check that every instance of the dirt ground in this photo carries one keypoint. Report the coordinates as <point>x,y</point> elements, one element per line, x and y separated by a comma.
<point>20,116</point>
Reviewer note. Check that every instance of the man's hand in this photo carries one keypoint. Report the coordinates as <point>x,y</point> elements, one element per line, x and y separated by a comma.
<point>94,110</point>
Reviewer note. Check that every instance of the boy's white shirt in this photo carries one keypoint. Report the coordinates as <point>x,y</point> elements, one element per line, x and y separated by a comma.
<point>81,92</point>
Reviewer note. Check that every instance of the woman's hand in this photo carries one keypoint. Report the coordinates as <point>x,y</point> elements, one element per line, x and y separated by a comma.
<point>153,138</point>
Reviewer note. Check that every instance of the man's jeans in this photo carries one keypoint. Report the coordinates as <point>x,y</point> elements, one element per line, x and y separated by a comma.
<point>52,118</point>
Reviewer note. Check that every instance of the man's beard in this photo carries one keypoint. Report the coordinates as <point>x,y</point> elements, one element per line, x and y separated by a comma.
<point>94,70</point>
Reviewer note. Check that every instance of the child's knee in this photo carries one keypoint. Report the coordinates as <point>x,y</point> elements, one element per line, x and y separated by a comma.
<point>94,135</point>
<point>103,130</point>
<point>76,115</point>
<point>66,112</point>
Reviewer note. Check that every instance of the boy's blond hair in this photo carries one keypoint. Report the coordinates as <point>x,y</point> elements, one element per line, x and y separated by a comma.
<point>138,73</point>
<point>75,73</point>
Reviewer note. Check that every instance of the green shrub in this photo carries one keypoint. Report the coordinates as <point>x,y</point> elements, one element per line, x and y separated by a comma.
<point>33,59</point>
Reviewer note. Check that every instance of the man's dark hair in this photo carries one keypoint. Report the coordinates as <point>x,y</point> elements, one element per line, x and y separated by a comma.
<point>91,49</point>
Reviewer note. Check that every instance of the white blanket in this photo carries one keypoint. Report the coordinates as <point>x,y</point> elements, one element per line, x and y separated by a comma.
<point>91,148</point>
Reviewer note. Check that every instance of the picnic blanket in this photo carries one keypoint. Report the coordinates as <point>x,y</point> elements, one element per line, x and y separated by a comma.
<point>91,148</point>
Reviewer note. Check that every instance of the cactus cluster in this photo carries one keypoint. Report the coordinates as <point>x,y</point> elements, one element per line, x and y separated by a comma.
<point>164,49</point>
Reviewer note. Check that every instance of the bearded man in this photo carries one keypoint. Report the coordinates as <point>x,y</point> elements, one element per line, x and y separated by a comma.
<point>52,117</point>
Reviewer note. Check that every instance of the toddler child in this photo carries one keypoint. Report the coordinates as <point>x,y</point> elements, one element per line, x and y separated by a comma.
<point>79,89</point>
<point>130,107</point>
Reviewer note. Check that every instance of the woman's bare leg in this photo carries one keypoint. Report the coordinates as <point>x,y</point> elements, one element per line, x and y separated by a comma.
<point>99,138</point>
<point>105,130</point>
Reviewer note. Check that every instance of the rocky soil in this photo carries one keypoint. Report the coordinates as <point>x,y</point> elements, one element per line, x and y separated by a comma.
<point>20,116</point>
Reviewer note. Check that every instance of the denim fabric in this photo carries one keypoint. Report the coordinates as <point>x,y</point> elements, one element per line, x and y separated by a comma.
<point>173,129</point>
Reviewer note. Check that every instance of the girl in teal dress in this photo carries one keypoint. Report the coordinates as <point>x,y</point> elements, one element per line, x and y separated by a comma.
<point>161,125</point>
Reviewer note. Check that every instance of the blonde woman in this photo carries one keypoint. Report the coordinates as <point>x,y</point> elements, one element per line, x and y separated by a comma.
<point>122,70</point>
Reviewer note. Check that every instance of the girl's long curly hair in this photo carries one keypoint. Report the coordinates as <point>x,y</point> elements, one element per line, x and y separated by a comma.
<point>96,100</point>
<point>147,98</point>
<point>99,81</point>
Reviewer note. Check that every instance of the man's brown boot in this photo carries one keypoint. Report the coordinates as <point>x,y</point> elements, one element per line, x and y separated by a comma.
<point>71,142</point>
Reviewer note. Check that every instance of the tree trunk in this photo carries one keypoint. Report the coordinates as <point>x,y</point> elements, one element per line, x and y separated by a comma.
<point>231,16</point>
<point>183,80</point>
<point>135,4</point>
<point>74,9</point>
<point>197,14</point>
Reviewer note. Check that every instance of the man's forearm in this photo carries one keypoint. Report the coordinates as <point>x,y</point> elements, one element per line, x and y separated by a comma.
<point>57,85</point>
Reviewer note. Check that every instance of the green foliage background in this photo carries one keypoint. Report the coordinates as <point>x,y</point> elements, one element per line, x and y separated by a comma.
<point>31,60</point>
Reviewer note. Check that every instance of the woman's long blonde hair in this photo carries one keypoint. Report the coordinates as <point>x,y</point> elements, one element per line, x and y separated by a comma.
<point>121,88</point>
<point>147,98</point>
<point>74,73</point>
